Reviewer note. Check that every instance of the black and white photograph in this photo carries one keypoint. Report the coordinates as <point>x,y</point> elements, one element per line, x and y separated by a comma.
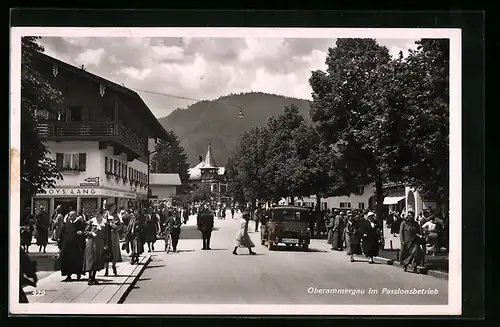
<point>235,171</point>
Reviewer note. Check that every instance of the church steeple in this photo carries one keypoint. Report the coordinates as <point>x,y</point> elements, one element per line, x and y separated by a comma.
<point>209,161</point>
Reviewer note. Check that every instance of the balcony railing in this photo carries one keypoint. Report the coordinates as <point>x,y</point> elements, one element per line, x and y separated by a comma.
<point>99,131</point>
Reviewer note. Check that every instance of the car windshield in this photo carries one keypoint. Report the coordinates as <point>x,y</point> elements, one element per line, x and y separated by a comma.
<point>290,215</point>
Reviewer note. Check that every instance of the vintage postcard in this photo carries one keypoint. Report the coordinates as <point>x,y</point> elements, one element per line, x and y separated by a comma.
<point>235,171</point>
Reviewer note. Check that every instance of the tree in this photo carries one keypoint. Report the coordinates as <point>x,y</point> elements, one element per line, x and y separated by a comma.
<point>171,158</point>
<point>426,77</point>
<point>342,110</point>
<point>38,170</point>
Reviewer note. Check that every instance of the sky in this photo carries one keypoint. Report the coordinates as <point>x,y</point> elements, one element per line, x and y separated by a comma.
<point>202,68</point>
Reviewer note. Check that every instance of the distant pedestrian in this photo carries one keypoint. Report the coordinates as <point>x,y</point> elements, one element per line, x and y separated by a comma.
<point>232,212</point>
<point>72,246</point>
<point>243,239</point>
<point>371,237</point>
<point>112,238</point>
<point>27,227</point>
<point>338,233</point>
<point>411,240</point>
<point>175,229</point>
<point>205,223</point>
<point>42,224</point>
<point>57,223</point>
<point>151,230</point>
<point>257,217</point>
<point>94,247</point>
<point>352,237</point>
<point>134,238</point>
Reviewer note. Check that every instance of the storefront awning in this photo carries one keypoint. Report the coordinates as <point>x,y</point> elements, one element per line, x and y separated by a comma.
<point>392,199</point>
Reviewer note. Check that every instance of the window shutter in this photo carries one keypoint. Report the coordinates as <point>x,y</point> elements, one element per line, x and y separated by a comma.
<point>106,166</point>
<point>59,160</point>
<point>82,161</point>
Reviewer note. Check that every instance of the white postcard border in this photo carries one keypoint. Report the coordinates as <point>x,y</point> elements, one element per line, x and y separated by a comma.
<point>454,306</point>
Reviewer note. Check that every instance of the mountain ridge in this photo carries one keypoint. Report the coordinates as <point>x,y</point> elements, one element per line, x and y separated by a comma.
<point>217,121</point>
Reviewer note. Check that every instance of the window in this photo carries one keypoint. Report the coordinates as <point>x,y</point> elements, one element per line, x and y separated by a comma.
<point>75,113</point>
<point>361,205</point>
<point>345,204</point>
<point>106,164</point>
<point>115,166</point>
<point>125,171</point>
<point>119,169</point>
<point>130,173</point>
<point>71,161</point>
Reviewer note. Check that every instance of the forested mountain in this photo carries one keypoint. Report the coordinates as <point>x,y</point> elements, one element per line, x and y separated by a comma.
<point>218,122</point>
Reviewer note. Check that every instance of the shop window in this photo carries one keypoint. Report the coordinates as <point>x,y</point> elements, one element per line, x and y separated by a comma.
<point>361,205</point>
<point>71,161</point>
<point>345,204</point>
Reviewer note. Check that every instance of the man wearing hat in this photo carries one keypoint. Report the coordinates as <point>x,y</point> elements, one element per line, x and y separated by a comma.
<point>205,222</point>
<point>338,232</point>
<point>411,239</point>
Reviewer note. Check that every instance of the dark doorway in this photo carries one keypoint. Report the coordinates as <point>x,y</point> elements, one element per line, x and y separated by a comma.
<point>66,203</point>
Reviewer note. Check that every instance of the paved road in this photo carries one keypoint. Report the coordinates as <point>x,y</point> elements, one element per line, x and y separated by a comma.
<point>271,277</point>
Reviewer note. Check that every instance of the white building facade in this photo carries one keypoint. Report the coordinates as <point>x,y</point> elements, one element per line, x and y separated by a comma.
<point>98,137</point>
<point>361,199</point>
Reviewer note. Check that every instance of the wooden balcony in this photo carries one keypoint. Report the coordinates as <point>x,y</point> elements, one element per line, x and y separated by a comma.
<point>107,133</point>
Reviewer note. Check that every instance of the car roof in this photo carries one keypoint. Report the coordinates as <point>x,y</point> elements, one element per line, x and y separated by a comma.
<point>296,208</point>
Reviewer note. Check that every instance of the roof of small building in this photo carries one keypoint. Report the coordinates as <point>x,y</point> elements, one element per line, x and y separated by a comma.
<point>165,179</point>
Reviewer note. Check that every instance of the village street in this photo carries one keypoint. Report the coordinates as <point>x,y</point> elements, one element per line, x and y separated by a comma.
<point>193,276</point>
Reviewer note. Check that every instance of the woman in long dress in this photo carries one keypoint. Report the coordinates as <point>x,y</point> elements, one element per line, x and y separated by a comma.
<point>72,246</point>
<point>151,229</point>
<point>113,225</point>
<point>94,247</point>
<point>242,238</point>
<point>410,236</point>
<point>42,230</point>
<point>338,233</point>
<point>329,227</point>
<point>352,237</point>
<point>27,226</point>
<point>371,237</point>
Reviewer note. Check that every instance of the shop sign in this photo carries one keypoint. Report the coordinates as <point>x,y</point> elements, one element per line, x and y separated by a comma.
<point>70,191</point>
<point>90,181</point>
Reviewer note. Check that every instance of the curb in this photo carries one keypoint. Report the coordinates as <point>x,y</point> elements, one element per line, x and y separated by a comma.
<point>421,270</point>
<point>131,280</point>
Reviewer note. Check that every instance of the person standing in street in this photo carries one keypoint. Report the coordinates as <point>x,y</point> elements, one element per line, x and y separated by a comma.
<point>175,229</point>
<point>257,217</point>
<point>94,247</point>
<point>113,225</point>
<point>338,233</point>
<point>352,237</point>
<point>42,224</point>
<point>411,242</point>
<point>133,237</point>
<point>243,239</point>
<point>27,226</point>
<point>232,212</point>
<point>72,246</point>
<point>205,226</point>
<point>371,237</point>
<point>57,223</point>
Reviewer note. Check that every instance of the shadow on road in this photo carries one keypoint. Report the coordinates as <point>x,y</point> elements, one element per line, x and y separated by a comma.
<point>143,279</point>
<point>182,251</point>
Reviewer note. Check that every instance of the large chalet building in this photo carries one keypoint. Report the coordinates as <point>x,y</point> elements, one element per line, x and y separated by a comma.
<point>98,137</point>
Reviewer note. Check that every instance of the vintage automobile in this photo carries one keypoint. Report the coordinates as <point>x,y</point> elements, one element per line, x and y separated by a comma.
<point>288,225</point>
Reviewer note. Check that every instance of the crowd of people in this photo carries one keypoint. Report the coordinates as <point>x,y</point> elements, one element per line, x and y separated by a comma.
<point>91,243</point>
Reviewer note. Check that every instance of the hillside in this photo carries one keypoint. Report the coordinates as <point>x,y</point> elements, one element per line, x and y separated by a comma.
<point>217,122</point>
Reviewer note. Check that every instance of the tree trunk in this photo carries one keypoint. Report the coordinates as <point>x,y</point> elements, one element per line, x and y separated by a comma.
<point>379,207</point>
<point>292,200</point>
<point>318,213</point>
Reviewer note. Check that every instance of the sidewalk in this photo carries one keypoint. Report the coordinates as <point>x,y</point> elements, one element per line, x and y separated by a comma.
<point>113,289</point>
<point>52,289</point>
<point>436,266</point>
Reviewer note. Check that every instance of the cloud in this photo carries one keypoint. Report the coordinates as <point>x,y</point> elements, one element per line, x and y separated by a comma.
<point>201,68</point>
